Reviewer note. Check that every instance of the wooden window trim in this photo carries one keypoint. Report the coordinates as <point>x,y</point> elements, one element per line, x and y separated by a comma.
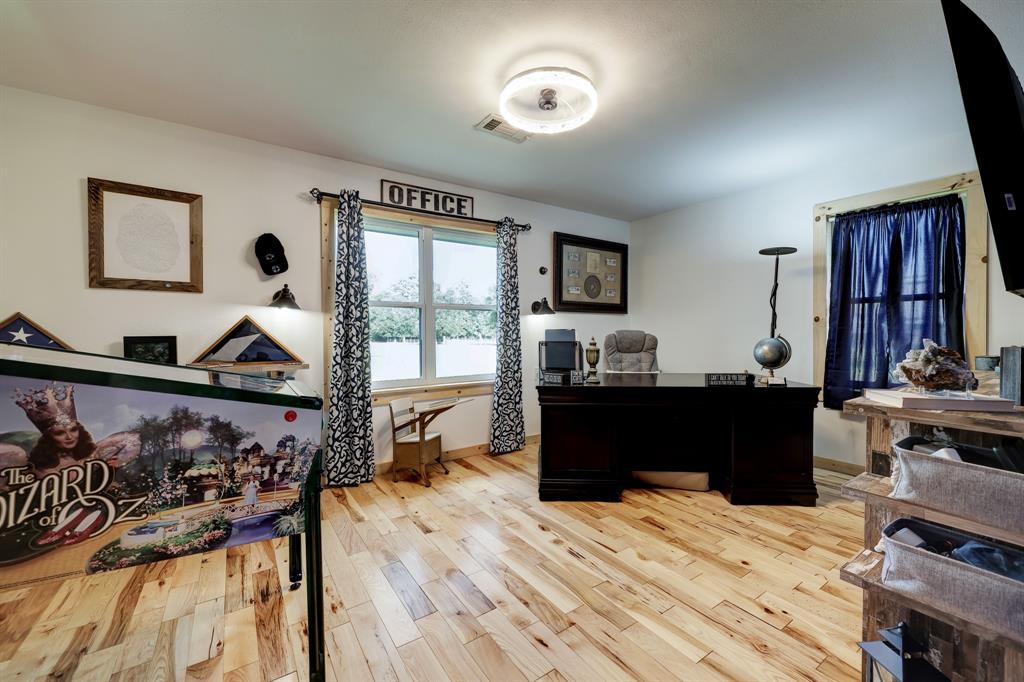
<point>382,396</point>
<point>412,218</point>
<point>975,267</point>
<point>327,207</point>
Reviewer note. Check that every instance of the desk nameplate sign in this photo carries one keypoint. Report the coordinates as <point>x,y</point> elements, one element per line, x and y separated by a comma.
<point>425,200</point>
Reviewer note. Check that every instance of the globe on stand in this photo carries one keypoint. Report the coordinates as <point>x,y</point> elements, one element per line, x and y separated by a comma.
<point>773,351</point>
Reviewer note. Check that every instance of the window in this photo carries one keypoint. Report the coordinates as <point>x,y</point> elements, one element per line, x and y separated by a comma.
<point>968,186</point>
<point>975,269</point>
<point>897,278</point>
<point>433,316</point>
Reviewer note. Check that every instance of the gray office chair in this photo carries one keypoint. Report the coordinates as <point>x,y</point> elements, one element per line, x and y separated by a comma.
<point>629,350</point>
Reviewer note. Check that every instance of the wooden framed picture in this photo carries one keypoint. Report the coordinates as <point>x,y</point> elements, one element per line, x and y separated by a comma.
<point>163,349</point>
<point>144,238</point>
<point>590,275</point>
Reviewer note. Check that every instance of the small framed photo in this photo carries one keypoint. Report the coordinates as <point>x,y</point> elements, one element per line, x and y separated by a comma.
<point>162,349</point>
<point>599,286</point>
<point>144,238</point>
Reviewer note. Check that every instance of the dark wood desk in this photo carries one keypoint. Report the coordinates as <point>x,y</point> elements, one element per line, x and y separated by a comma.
<point>755,442</point>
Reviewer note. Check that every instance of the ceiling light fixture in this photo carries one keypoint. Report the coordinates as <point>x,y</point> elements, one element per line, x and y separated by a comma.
<point>548,100</point>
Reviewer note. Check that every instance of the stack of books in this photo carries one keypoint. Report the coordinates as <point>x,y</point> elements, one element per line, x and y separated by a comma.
<point>912,399</point>
<point>729,379</point>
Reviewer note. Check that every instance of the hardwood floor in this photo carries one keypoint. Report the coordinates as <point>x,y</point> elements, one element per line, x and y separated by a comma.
<point>475,579</point>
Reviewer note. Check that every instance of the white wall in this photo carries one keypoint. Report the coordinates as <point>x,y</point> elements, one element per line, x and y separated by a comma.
<point>49,146</point>
<point>701,287</point>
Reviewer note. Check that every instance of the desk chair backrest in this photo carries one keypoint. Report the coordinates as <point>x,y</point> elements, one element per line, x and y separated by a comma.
<point>401,413</point>
<point>630,350</point>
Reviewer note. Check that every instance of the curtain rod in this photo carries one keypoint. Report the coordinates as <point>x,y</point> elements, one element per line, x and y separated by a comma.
<point>320,196</point>
<point>831,217</point>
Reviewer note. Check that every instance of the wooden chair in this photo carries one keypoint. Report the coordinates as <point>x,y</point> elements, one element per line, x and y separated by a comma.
<point>414,447</point>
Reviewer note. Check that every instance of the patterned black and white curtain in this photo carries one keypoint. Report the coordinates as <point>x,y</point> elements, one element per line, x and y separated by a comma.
<point>508,431</point>
<point>349,459</point>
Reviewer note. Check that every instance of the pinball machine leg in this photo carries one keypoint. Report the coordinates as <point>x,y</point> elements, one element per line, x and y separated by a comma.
<point>295,561</point>
<point>314,574</point>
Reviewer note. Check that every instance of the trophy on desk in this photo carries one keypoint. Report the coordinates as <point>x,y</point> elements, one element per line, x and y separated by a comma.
<point>593,355</point>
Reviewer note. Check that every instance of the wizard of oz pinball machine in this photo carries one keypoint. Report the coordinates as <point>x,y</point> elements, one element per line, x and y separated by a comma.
<point>108,463</point>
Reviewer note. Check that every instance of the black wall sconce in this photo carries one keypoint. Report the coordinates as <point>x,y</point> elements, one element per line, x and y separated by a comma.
<point>541,307</point>
<point>284,298</point>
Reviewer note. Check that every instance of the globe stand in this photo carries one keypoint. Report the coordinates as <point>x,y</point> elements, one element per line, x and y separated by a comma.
<point>773,351</point>
<point>770,379</point>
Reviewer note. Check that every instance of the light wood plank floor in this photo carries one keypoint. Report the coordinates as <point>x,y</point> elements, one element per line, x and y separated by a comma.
<point>475,579</point>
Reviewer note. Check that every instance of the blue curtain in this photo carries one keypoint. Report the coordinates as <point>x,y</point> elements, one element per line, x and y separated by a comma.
<point>897,278</point>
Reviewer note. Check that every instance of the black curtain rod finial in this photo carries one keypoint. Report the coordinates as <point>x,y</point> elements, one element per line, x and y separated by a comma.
<point>316,194</point>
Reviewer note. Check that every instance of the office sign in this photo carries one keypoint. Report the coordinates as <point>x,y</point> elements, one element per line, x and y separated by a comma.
<point>425,200</point>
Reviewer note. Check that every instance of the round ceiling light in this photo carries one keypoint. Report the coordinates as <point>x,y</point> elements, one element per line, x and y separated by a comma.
<point>548,100</point>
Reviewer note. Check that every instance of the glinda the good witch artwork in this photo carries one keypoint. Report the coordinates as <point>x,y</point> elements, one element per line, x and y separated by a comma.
<point>116,477</point>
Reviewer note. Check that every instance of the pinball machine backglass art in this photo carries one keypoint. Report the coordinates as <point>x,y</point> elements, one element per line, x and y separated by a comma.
<point>107,463</point>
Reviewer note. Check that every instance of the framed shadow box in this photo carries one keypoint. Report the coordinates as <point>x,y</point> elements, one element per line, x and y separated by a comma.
<point>162,349</point>
<point>144,238</point>
<point>591,275</point>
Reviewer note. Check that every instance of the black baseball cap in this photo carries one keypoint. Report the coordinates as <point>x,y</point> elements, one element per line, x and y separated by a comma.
<point>270,254</point>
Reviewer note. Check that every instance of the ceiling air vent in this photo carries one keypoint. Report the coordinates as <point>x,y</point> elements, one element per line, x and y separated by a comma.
<point>496,125</point>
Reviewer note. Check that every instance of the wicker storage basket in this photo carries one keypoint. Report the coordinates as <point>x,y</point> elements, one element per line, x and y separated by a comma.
<point>985,494</point>
<point>974,594</point>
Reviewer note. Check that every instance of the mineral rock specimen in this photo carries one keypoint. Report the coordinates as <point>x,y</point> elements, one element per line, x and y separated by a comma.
<point>936,368</point>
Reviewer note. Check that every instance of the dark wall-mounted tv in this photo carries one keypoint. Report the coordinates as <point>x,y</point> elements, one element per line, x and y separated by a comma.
<point>994,103</point>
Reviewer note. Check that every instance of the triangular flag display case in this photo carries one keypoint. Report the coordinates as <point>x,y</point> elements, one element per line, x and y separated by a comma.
<point>247,345</point>
<point>19,329</point>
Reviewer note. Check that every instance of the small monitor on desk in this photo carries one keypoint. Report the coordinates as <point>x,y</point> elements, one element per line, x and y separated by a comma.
<point>560,356</point>
<point>559,350</point>
<point>559,334</point>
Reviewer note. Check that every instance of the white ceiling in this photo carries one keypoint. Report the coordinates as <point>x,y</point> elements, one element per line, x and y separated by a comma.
<point>698,98</point>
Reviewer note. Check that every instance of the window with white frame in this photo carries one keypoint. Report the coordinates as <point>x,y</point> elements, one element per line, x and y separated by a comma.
<point>433,312</point>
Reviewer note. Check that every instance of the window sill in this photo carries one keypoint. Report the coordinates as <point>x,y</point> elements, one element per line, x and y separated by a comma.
<point>382,396</point>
